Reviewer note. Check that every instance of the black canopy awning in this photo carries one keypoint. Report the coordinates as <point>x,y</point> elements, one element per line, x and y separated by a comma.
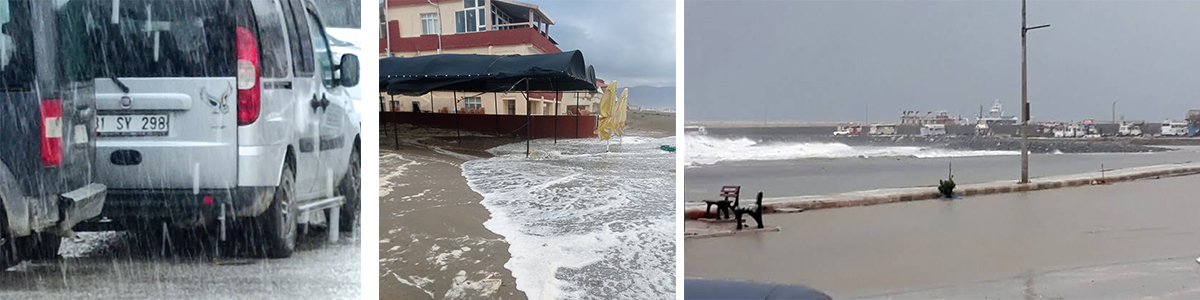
<point>414,76</point>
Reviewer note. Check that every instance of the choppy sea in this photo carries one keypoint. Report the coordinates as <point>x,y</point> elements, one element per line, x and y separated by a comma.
<point>584,220</point>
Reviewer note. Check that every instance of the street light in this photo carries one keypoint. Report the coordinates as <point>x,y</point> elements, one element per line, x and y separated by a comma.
<point>1114,112</point>
<point>1025,98</point>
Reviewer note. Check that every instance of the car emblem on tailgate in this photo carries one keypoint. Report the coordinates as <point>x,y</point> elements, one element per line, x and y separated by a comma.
<point>219,104</point>
<point>126,102</point>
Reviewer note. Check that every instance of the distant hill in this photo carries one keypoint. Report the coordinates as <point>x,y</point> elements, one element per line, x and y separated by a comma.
<point>652,97</point>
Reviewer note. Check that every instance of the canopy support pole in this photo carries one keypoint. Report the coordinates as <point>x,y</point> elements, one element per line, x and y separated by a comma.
<point>496,102</point>
<point>396,126</point>
<point>528,120</point>
<point>457,126</point>
<point>578,113</point>
<point>558,98</point>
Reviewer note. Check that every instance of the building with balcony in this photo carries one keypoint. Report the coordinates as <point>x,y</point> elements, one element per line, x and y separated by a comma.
<point>410,28</point>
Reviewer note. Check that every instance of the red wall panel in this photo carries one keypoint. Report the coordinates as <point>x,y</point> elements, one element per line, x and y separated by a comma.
<point>542,126</point>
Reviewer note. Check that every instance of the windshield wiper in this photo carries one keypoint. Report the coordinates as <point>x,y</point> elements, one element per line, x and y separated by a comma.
<point>124,88</point>
<point>107,66</point>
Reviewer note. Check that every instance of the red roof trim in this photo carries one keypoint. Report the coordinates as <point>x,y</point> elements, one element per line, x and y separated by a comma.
<point>519,36</point>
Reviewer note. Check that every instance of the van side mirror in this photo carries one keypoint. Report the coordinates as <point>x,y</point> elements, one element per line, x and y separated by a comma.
<point>348,70</point>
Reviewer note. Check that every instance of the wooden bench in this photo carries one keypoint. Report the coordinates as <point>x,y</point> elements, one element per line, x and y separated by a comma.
<point>724,205</point>
<point>755,211</point>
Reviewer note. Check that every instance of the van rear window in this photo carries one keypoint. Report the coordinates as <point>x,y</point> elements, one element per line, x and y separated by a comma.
<point>185,38</point>
<point>16,46</point>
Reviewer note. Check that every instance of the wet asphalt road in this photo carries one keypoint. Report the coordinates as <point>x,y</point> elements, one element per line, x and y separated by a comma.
<point>829,176</point>
<point>1138,238</point>
<point>1164,278</point>
<point>124,265</point>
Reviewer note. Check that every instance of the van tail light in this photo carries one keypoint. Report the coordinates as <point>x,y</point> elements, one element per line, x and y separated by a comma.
<point>248,94</point>
<point>52,132</point>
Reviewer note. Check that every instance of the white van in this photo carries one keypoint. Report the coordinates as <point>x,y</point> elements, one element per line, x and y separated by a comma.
<point>216,112</point>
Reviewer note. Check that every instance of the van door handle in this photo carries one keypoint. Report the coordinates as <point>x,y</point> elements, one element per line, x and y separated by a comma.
<point>324,102</point>
<point>315,103</point>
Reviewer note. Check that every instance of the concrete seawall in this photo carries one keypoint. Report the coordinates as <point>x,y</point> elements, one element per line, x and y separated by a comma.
<point>894,195</point>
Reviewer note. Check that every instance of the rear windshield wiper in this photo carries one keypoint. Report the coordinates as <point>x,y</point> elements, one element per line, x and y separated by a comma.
<point>124,88</point>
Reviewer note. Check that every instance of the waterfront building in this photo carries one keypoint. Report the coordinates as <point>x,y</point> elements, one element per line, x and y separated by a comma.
<point>916,118</point>
<point>410,28</point>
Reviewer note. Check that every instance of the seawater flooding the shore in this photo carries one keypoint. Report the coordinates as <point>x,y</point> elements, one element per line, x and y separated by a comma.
<point>707,150</point>
<point>583,223</point>
<point>800,165</point>
<point>952,246</point>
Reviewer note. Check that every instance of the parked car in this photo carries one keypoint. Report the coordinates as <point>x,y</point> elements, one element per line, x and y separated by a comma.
<point>46,113</point>
<point>225,111</point>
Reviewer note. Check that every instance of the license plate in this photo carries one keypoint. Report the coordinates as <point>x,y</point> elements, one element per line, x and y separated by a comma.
<point>107,125</point>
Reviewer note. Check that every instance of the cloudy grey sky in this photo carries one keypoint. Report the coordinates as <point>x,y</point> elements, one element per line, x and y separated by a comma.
<point>830,60</point>
<point>630,41</point>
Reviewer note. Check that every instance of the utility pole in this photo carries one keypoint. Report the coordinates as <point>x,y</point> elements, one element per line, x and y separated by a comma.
<point>1025,98</point>
<point>386,29</point>
<point>1114,112</point>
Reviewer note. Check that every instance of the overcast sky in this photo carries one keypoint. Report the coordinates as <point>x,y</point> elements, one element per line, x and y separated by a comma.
<point>830,60</point>
<point>630,41</point>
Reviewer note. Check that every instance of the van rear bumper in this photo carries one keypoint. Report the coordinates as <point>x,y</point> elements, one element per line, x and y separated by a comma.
<point>179,206</point>
<point>83,203</point>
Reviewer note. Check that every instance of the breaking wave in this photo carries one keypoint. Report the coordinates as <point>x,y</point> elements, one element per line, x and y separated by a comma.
<point>707,150</point>
<point>583,223</point>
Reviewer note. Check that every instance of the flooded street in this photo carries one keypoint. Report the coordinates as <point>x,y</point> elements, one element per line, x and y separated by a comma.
<point>819,176</point>
<point>123,265</point>
<point>955,245</point>
<point>1169,278</point>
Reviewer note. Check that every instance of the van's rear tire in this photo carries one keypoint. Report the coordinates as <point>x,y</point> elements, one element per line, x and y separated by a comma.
<point>40,246</point>
<point>278,223</point>
<point>351,188</point>
<point>8,248</point>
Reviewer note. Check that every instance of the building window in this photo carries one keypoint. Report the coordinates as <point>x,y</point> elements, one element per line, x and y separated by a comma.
<point>429,24</point>
<point>382,21</point>
<point>473,102</point>
<point>500,18</point>
<point>472,18</point>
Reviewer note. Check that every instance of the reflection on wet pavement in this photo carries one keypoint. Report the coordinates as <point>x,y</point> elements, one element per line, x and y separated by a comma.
<point>881,249</point>
<point>129,265</point>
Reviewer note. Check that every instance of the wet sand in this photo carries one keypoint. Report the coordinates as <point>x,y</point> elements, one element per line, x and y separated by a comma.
<point>651,123</point>
<point>432,241</point>
<point>433,244</point>
<point>874,250</point>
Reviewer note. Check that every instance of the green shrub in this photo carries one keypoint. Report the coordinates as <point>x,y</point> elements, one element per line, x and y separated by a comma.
<point>946,187</point>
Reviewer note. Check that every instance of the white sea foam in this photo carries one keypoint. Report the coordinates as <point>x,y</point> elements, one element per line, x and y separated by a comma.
<point>707,150</point>
<point>395,166</point>
<point>582,222</point>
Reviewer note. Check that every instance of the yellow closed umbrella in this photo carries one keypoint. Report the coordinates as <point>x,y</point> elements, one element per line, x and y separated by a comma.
<point>607,122</point>
<point>622,108</point>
